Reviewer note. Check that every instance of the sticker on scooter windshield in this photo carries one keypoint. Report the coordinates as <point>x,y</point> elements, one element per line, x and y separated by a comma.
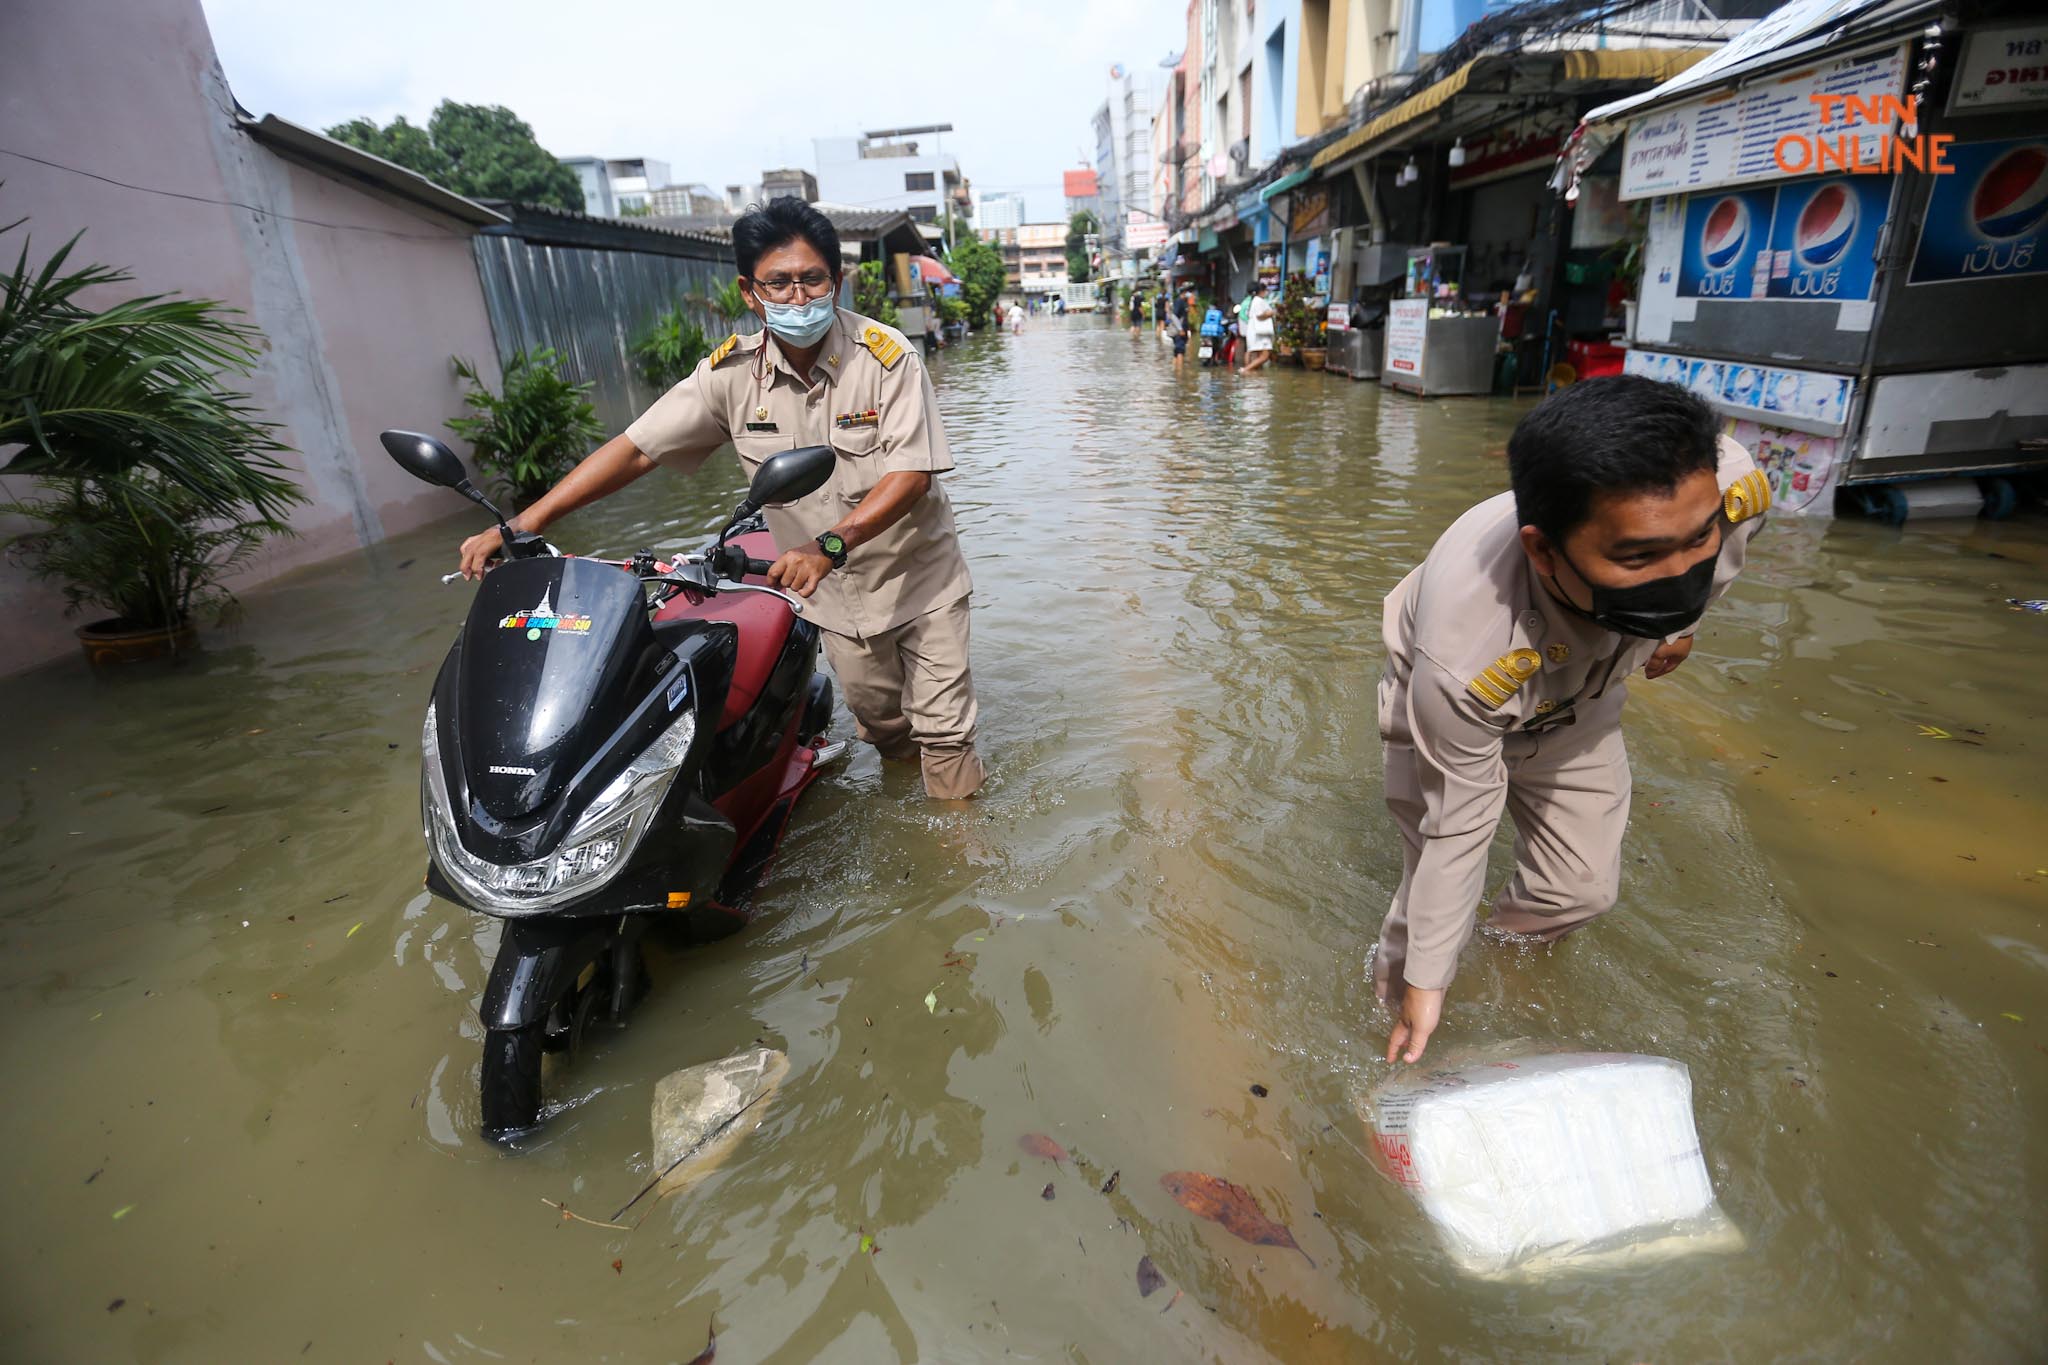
<point>544,617</point>
<point>678,690</point>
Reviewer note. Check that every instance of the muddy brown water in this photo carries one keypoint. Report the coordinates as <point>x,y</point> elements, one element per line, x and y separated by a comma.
<point>240,1042</point>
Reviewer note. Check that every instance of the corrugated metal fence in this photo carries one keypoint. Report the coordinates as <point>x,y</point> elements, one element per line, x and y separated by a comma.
<point>591,304</point>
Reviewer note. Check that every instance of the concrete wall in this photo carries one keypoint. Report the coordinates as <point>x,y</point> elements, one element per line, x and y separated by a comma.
<point>362,301</point>
<point>1276,68</point>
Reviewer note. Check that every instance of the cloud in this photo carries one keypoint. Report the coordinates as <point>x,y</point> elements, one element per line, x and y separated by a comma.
<point>720,92</point>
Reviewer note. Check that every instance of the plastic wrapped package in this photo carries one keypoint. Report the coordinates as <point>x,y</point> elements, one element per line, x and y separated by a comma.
<point>1546,1162</point>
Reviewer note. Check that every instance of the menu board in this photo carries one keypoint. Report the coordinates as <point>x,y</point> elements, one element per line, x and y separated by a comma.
<point>1731,137</point>
<point>1407,329</point>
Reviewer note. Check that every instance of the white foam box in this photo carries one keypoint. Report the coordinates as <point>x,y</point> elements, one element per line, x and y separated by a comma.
<point>1545,1162</point>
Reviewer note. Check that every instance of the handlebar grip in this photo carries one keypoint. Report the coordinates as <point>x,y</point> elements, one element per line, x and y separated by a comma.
<point>758,566</point>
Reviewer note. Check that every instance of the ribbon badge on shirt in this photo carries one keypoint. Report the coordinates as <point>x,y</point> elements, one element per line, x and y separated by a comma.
<point>852,421</point>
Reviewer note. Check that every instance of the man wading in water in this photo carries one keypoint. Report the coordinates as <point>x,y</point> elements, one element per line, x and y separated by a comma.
<point>1508,651</point>
<point>873,551</point>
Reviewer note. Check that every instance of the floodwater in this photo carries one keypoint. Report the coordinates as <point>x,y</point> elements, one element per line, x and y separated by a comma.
<point>241,1044</point>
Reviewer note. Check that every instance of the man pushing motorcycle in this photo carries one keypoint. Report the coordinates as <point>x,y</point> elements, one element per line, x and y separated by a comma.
<point>874,552</point>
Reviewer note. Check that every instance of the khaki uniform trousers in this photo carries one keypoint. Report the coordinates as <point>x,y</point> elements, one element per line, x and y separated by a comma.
<point>1568,794</point>
<point>912,696</point>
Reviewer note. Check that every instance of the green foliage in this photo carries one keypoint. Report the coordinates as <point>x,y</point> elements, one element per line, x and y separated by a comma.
<point>871,294</point>
<point>1078,229</point>
<point>952,310</point>
<point>1295,324</point>
<point>483,151</point>
<point>728,301</point>
<point>536,431</point>
<point>670,349</point>
<point>636,211</point>
<point>982,276</point>
<point>158,479</point>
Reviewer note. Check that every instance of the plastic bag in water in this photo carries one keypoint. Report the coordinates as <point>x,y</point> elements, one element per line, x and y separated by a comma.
<point>1552,1161</point>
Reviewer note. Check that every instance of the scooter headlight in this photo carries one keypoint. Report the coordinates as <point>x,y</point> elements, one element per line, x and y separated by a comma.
<point>597,847</point>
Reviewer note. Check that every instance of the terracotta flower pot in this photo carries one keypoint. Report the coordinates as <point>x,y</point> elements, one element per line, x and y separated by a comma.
<point>1313,356</point>
<point>112,643</point>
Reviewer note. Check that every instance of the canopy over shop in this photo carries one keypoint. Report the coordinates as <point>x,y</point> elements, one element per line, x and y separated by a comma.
<point>1852,329</point>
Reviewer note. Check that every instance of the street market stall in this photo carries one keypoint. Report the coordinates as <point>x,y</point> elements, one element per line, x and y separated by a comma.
<point>1435,346</point>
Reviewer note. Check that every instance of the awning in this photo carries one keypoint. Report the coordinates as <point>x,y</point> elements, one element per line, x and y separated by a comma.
<point>1407,111</point>
<point>1581,65</point>
<point>931,272</point>
<point>1287,182</point>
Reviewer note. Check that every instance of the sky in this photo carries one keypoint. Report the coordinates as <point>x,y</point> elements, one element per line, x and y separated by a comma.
<point>719,91</point>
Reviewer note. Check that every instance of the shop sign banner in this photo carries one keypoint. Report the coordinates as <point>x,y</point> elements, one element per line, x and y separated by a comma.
<point>1726,245</point>
<point>1407,329</point>
<point>1766,391</point>
<point>1824,237</point>
<point>1140,233</point>
<point>1986,221</point>
<point>1311,209</point>
<point>2001,68</point>
<point>1732,137</point>
<point>1801,468</point>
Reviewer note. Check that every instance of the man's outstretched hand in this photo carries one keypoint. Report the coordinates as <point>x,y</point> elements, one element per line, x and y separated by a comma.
<point>1420,1010</point>
<point>1669,655</point>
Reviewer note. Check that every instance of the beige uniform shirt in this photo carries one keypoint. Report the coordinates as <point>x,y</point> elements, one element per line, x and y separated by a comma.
<point>1477,649</point>
<point>870,400</point>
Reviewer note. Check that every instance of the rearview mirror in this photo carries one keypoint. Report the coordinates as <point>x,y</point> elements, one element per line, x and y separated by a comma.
<point>791,475</point>
<point>423,457</point>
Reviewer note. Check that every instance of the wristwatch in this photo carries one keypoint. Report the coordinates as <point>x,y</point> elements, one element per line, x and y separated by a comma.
<point>834,546</point>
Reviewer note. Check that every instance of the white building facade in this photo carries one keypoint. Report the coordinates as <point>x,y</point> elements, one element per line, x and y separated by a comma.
<point>899,168</point>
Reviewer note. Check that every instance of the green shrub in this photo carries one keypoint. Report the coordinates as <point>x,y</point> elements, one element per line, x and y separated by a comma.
<point>670,349</point>
<point>536,431</point>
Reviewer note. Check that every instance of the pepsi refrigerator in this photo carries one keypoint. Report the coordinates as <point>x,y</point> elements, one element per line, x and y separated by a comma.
<point>1866,329</point>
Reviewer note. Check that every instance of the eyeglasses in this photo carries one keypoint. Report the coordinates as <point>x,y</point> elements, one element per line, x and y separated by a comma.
<point>816,284</point>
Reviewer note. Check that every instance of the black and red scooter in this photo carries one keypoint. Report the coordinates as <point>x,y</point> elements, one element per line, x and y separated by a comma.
<point>611,746</point>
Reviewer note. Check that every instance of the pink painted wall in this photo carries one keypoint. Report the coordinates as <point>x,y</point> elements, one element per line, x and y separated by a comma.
<point>361,314</point>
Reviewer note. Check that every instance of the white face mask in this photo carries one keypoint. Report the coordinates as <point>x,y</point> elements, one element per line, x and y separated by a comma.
<point>799,324</point>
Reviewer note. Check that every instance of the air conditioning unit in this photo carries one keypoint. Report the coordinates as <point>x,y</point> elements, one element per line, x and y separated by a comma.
<point>1240,154</point>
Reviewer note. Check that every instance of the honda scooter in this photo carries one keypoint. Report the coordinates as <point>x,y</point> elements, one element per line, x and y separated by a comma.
<point>612,747</point>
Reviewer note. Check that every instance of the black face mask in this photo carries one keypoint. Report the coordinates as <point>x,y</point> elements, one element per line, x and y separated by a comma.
<point>1652,610</point>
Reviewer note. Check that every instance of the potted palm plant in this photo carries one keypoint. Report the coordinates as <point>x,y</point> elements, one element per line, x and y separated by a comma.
<point>535,431</point>
<point>152,480</point>
<point>1294,321</point>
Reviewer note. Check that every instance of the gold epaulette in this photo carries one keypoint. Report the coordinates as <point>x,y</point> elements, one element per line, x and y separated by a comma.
<point>1504,677</point>
<point>725,348</point>
<point>1749,496</point>
<point>885,347</point>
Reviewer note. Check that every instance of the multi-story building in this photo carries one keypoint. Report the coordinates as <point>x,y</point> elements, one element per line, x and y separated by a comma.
<point>889,169</point>
<point>1081,191</point>
<point>685,201</point>
<point>789,182</point>
<point>998,211</point>
<point>1123,155</point>
<point>613,185</point>
<point>1042,257</point>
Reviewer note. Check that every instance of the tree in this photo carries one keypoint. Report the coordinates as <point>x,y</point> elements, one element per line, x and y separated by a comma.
<point>482,151</point>
<point>871,294</point>
<point>1079,228</point>
<point>982,276</point>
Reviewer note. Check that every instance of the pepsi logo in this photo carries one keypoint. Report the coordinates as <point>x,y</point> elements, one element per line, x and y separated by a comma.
<point>2012,197</point>
<point>1727,228</point>
<point>1826,227</point>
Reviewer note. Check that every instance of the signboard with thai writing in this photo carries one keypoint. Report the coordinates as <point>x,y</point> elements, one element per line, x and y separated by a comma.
<point>1526,144</point>
<point>1141,232</point>
<point>1731,137</point>
<point>1407,330</point>
<point>2001,68</point>
<point>1311,211</point>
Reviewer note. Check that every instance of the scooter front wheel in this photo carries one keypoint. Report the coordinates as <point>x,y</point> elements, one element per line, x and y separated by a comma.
<point>510,1084</point>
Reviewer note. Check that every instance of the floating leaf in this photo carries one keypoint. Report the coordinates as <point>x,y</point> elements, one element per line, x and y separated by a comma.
<point>931,1001</point>
<point>1038,1144</point>
<point>352,932</point>
<point>618,1267</point>
<point>2008,1014</point>
<point>1109,1185</point>
<point>1149,1277</point>
<point>1216,1199</point>
<point>1260,1091</point>
<point>1046,1193</point>
<point>867,1244</point>
<point>123,1212</point>
<point>1934,732</point>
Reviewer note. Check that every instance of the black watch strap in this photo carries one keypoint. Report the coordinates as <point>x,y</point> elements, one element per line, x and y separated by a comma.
<point>834,547</point>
